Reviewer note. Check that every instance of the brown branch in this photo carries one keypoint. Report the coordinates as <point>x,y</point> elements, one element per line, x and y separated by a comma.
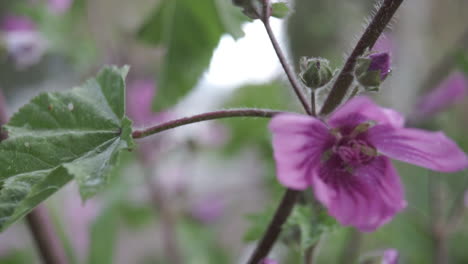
<point>47,241</point>
<point>367,41</point>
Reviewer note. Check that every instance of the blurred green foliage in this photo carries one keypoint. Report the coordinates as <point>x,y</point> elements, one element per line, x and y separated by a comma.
<point>189,31</point>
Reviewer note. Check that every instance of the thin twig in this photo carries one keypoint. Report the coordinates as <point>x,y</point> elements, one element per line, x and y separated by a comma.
<point>47,241</point>
<point>274,228</point>
<point>286,67</point>
<point>367,41</point>
<point>168,220</point>
<point>204,117</point>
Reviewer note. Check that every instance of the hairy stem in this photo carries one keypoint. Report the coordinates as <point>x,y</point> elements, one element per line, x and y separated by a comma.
<point>286,67</point>
<point>274,228</point>
<point>204,117</point>
<point>367,41</point>
<point>47,241</point>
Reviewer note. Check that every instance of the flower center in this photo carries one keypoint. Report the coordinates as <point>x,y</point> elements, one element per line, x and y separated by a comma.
<point>354,151</point>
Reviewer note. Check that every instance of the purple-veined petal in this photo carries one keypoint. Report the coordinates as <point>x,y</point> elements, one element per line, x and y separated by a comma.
<point>366,198</point>
<point>298,143</point>
<point>366,110</point>
<point>432,150</point>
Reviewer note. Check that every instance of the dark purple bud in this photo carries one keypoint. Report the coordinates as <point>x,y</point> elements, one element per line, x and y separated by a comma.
<point>380,62</point>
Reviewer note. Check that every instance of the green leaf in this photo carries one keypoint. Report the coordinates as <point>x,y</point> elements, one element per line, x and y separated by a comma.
<point>463,61</point>
<point>190,31</point>
<point>311,225</point>
<point>103,239</point>
<point>61,136</point>
<point>279,9</point>
<point>250,132</point>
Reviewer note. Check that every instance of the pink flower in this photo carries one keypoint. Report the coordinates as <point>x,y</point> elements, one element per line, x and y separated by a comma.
<point>390,256</point>
<point>24,44</point>
<point>59,6</point>
<point>450,91</point>
<point>346,159</point>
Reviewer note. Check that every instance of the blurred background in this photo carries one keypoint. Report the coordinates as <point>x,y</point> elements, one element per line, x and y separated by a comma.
<point>204,193</point>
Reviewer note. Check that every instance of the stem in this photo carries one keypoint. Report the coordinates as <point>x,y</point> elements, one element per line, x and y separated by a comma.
<point>367,41</point>
<point>274,228</point>
<point>204,117</point>
<point>168,220</point>
<point>287,68</point>
<point>49,245</point>
<point>438,227</point>
<point>312,103</point>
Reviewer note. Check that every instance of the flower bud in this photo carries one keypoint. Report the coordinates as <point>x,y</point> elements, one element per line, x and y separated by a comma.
<point>315,72</point>
<point>373,69</point>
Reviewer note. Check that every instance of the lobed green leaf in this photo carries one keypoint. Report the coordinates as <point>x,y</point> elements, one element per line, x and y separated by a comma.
<point>60,136</point>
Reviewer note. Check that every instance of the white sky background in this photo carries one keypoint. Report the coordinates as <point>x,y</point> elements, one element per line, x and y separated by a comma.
<point>250,59</point>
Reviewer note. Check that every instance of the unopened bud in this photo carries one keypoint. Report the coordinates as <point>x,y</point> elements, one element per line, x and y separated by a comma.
<point>373,69</point>
<point>315,72</point>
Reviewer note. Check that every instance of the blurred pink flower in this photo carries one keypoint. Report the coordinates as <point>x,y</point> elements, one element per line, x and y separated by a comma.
<point>390,256</point>
<point>208,209</point>
<point>59,6</point>
<point>12,23</point>
<point>140,94</point>
<point>78,219</point>
<point>269,261</point>
<point>452,90</point>
<point>23,43</point>
<point>346,159</point>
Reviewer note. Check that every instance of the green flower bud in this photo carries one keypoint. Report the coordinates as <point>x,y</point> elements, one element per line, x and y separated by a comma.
<point>315,72</point>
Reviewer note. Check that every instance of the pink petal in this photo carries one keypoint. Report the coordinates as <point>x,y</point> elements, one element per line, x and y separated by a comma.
<point>366,199</point>
<point>450,91</point>
<point>364,108</point>
<point>432,150</point>
<point>298,143</point>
